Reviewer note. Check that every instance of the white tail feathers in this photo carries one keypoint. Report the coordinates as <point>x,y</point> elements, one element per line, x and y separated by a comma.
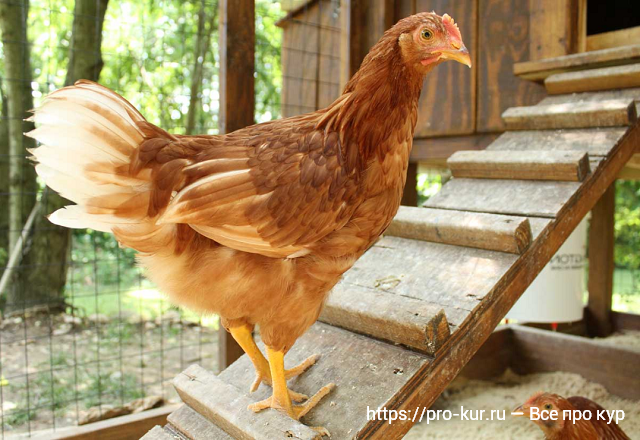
<point>88,134</point>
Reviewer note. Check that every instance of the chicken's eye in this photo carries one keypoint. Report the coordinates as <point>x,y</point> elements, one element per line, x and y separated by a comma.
<point>426,34</point>
<point>548,406</point>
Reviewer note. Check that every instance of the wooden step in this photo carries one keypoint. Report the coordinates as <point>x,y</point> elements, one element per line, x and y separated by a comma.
<point>539,70</point>
<point>461,228</point>
<point>515,197</point>
<point>606,78</point>
<point>193,426</point>
<point>594,141</point>
<point>224,405</point>
<point>612,113</point>
<point>579,99</point>
<point>527,165</point>
<point>368,374</point>
<point>159,433</point>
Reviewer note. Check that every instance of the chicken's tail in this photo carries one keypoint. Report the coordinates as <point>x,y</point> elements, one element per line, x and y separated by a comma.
<point>89,136</point>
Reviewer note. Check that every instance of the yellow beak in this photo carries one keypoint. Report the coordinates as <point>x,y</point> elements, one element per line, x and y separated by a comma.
<point>460,55</point>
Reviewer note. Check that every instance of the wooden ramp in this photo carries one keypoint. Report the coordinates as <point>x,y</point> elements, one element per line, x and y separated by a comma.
<point>416,307</point>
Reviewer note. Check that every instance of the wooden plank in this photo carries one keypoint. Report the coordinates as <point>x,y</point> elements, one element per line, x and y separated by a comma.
<point>157,433</point>
<point>625,321</point>
<point>614,367</point>
<point>437,150</point>
<point>503,39</point>
<point>226,406</point>
<point>237,98</point>
<point>401,320</point>
<point>367,374</point>
<point>517,197</point>
<point>612,113</point>
<point>410,194</point>
<point>579,99</point>
<point>448,101</point>
<point>453,278</point>
<point>466,340</point>
<point>553,28</point>
<point>129,427</point>
<point>541,69</point>
<point>484,231</point>
<point>618,38</point>
<point>594,141</point>
<point>192,425</point>
<point>329,48</point>
<point>606,78</point>
<point>601,265</point>
<point>529,165</point>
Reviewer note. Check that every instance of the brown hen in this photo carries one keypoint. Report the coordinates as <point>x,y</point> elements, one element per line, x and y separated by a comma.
<point>571,428</point>
<point>257,225</point>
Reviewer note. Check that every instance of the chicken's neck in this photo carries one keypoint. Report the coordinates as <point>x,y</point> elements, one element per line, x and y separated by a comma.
<point>378,109</point>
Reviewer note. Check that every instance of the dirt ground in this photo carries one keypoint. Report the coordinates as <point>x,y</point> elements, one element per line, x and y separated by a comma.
<point>511,390</point>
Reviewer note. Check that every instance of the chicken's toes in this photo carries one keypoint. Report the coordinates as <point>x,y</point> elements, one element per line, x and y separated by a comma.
<point>300,410</point>
<point>304,366</point>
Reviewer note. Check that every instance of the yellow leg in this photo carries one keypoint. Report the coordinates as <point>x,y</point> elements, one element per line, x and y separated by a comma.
<point>280,399</point>
<point>244,337</point>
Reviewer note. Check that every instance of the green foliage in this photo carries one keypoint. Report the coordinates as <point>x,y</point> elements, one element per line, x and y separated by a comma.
<point>627,225</point>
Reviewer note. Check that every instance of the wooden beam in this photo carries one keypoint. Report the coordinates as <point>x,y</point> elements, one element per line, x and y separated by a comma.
<point>410,194</point>
<point>553,28</point>
<point>527,165</point>
<point>606,78</point>
<point>194,426</point>
<point>601,264</point>
<point>539,70</point>
<point>225,406</point>
<point>129,427</point>
<point>439,149</point>
<point>237,99</point>
<point>610,113</point>
<point>607,40</point>
<point>461,228</point>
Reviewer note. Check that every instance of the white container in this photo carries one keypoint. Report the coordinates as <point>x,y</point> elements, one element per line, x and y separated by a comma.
<point>556,293</point>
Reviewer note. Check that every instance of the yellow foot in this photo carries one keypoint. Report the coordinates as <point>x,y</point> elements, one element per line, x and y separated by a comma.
<point>294,411</point>
<point>265,376</point>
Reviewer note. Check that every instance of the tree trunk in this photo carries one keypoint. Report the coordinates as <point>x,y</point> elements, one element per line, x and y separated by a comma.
<point>46,261</point>
<point>203,45</point>
<point>4,179</point>
<point>22,182</point>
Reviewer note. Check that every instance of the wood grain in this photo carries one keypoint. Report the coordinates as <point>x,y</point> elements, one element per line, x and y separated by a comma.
<point>448,100</point>
<point>594,141</point>
<point>401,320</point>
<point>368,374</point>
<point>437,150</point>
<point>541,69</point>
<point>193,426</point>
<point>601,265</point>
<point>611,113</point>
<point>503,39</point>
<point>516,197</point>
<point>606,40</point>
<point>527,165</point>
<point>157,433</point>
<point>461,228</point>
<point>553,28</point>
<point>224,405</point>
<point>606,78</point>
<point>578,99</point>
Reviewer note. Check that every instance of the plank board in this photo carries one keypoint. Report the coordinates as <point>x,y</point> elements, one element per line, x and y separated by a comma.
<point>226,406</point>
<point>594,141</point>
<point>483,231</point>
<point>192,425</point>
<point>611,113</point>
<point>157,433</point>
<point>453,278</point>
<point>578,99</point>
<point>606,78</point>
<point>517,197</point>
<point>367,374</point>
<point>539,70</point>
<point>437,150</point>
<point>503,39</point>
<point>398,319</point>
<point>528,165</point>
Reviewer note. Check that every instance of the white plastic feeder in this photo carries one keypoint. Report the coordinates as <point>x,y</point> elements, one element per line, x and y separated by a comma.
<point>556,293</point>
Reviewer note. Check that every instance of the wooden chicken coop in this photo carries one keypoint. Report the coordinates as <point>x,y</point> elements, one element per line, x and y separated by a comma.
<point>541,72</point>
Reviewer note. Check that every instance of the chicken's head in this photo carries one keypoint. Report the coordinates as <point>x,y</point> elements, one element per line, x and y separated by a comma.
<point>548,408</point>
<point>427,39</point>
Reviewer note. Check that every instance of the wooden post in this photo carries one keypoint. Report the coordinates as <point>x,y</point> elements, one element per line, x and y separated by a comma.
<point>601,241</point>
<point>237,100</point>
